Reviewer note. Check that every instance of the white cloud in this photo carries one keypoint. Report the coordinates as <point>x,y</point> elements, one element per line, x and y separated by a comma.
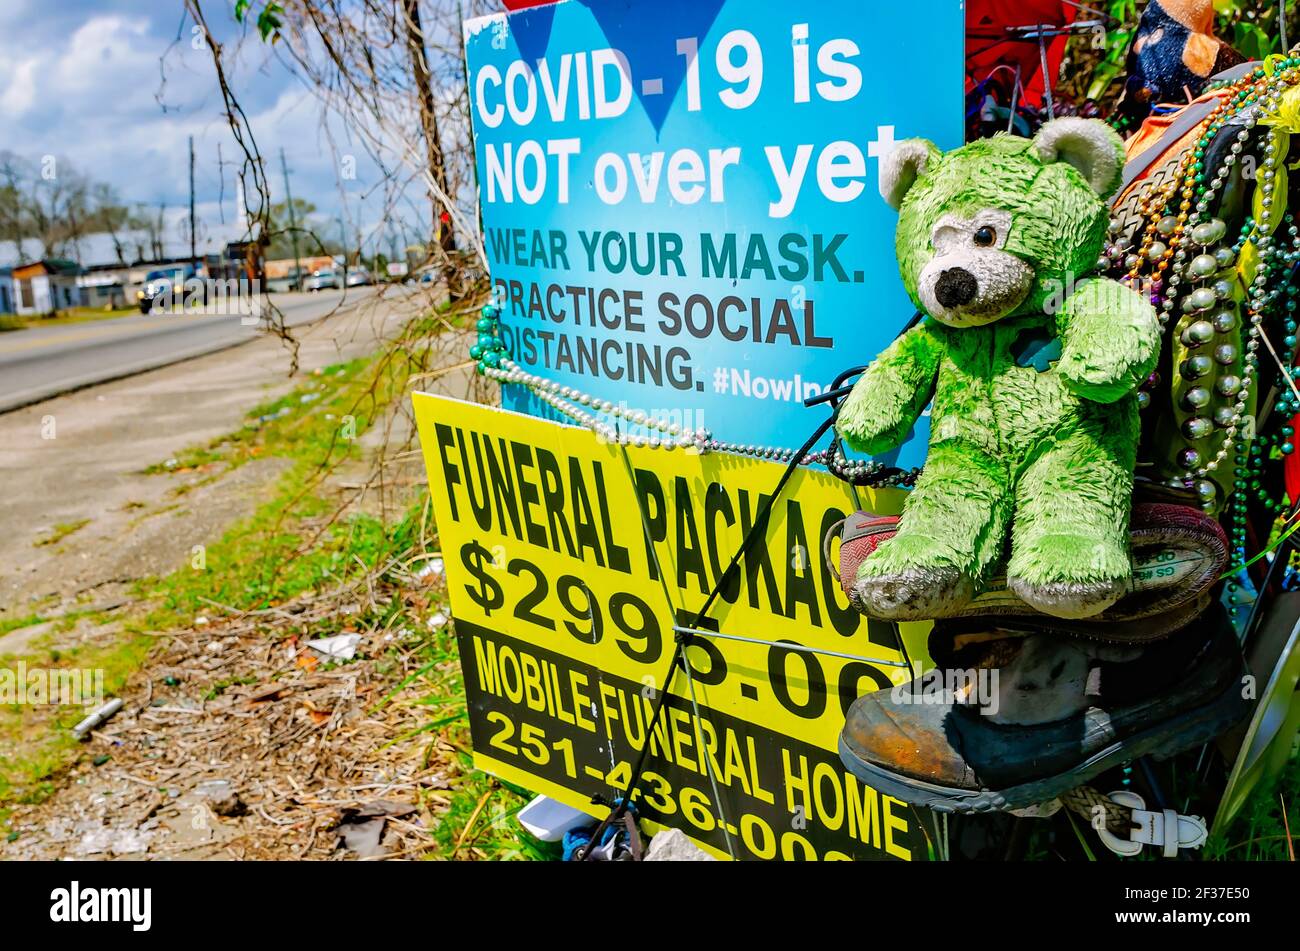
<point>19,88</point>
<point>111,87</point>
<point>102,54</point>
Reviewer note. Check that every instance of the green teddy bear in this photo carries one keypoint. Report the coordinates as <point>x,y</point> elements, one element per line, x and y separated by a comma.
<point>1033,369</point>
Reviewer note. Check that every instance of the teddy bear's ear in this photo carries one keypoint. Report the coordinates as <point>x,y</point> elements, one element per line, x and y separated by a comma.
<point>901,166</point>
<point>1090,145</point>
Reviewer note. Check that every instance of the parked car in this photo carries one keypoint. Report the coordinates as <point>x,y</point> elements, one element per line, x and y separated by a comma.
<point>358,277</point>
<point>323,278</point>
<point>292,281</point>
<point>171,287</point>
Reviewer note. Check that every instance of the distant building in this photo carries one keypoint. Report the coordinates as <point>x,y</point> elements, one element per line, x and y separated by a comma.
<point>102,286</point>
<point>281,274</point>
<point>105,283</point>
<point>44,287</point>
<point>239,260</point>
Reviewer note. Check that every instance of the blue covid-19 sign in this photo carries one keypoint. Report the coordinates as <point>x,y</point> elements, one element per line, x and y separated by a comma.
<point>679,198</point>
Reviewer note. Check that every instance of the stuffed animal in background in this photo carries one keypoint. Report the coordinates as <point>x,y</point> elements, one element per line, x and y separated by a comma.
<point>1174,53</point>
<point>1033,368</point>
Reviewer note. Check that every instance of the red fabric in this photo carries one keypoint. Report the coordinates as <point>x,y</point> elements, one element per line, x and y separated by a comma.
<point>990,18</point>
<point>524,4</point>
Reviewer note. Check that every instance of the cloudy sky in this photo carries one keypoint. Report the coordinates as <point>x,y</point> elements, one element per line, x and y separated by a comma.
<point>115,87</point>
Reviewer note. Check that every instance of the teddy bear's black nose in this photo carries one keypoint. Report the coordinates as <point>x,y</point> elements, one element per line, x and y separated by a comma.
<point>956,286</point>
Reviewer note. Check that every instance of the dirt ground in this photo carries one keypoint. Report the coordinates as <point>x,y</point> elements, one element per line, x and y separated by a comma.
<point>240,743</point>
<point>237,740</point>
<point>80,458</point>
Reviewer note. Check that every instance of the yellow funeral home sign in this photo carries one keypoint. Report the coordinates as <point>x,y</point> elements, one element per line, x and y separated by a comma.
<point>570,560</point>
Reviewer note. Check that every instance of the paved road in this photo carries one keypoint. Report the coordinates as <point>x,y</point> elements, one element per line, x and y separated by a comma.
<point>41,362</point>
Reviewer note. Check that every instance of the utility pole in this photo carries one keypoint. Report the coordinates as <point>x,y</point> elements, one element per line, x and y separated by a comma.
<point>343,247</point>
<point>159,236</point>
<point>193,254</point>
<point>293,225</point>
<point>442,231</point>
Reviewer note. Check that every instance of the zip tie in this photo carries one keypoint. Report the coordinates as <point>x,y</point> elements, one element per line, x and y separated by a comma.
<point>799,648</point>
<point>708,761</point>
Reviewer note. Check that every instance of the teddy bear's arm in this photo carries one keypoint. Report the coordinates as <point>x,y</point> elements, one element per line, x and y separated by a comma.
<point>1110,339</point>
<point>890,395</point>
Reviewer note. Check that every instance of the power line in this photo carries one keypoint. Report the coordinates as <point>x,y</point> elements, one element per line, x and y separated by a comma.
<point>193,254</point>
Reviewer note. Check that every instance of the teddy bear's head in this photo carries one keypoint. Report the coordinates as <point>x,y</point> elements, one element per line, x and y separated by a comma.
<point>1004,225</point>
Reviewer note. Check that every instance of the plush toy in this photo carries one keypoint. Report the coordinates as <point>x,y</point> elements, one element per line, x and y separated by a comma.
<point>1174,54</point>
<point>1033,367</point>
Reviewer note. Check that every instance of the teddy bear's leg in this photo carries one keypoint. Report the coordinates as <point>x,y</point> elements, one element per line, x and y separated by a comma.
<point>1069,540</point>
<point>950,534</point>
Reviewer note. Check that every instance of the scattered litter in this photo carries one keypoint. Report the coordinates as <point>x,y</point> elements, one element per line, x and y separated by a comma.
<point>431,569</point>
<point>251,715</point>
<point>671,845</point>
<point>549,819</point>
<point>221,797</point>
<point>338,647</point>
<point>361,828</point>
<point>308,397</point>
<point>363,837</point>
<point>437,620</point>
<point>111,841</point>
<point>97,717</point>
<point>384,808</point>
<point>200,621</point>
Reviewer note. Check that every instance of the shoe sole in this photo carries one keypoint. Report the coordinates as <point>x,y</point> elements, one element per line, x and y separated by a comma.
<point>1179,553</point>
<point>1162,741</point>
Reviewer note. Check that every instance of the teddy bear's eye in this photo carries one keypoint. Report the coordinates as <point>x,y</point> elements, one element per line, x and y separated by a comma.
<point>985,236</point>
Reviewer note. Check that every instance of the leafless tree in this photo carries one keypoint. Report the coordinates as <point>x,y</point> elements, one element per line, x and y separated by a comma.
<point>50,207</point>
<point>393,71</point>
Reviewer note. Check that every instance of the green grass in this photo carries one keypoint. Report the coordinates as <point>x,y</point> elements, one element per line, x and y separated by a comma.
<point>35,746</point>
<point>279,552</point>
<point>14,623</point>
<point>481,810</point>
<point>1259,832</point>
<point>282,550</point>
<point>241,569</point>
<point>61,531</point>
<point>72,315</point>
<point>273,555</point>
<point>296,425</point>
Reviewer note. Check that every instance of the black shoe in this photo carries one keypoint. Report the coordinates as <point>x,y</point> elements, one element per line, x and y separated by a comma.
<point>949,754</point>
